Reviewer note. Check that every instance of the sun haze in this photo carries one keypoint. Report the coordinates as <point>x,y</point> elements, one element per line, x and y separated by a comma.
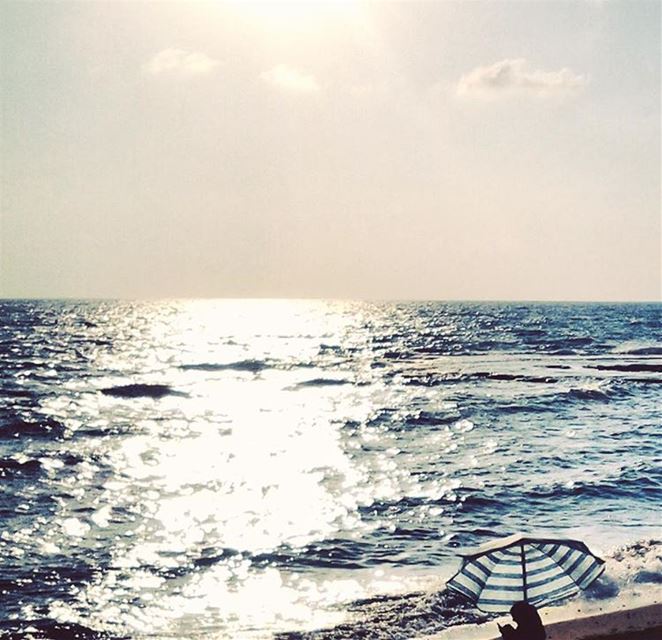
<point>425,150</point>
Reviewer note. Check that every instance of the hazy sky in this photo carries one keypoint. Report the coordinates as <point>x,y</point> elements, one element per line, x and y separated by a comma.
<point>446,150</point>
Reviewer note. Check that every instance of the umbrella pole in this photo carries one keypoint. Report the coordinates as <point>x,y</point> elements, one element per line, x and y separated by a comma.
<point>523,559</point>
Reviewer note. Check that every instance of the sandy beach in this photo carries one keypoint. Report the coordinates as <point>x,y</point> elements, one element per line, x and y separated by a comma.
<point>642,623</point>
<point>632,618</point>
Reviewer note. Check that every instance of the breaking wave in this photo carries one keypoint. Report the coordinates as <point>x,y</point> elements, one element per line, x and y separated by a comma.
<point>399,617</point>
<point>402,617</point>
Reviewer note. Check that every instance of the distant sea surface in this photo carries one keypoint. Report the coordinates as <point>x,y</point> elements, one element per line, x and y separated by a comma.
<point>239,469</point>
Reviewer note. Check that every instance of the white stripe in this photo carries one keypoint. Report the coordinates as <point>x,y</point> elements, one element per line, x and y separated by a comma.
<point>495,583</point>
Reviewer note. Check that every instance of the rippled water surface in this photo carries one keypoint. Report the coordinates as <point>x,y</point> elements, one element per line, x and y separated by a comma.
<point>240,468</point>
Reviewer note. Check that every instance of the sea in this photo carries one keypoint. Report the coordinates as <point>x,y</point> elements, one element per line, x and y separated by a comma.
<point>298,469</point>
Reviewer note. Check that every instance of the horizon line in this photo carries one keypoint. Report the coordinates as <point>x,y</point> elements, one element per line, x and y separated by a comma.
<point>325,299</point>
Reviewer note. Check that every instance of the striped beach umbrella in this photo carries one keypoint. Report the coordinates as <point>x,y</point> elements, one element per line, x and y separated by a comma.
<point>524,568</point>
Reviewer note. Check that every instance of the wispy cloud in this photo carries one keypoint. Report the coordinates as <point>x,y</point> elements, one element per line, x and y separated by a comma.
<point>181,62</point>
<point>517,75</point>
<point>290,79</point>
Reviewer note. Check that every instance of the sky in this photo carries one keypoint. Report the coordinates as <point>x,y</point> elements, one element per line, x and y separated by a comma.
<point>385,150</point>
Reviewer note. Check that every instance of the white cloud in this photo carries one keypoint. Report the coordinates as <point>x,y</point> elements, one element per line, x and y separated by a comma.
<point>179,61</point>
<point>516,75</point>
<point>288,78</point>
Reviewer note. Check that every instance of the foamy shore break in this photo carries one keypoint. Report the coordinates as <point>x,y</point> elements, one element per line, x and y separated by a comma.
<point>636,617</point>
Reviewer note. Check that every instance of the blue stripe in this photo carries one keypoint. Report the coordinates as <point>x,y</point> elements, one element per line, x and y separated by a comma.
<point>498,587</point>
<point>479,565</point>
<point>586,573</point>
<point>495,601</point>
<point>591,578</point>
<point>575,564</point>
<point>565,556</point>
<point>510,563</point>
<point>475,579</point>
<point>462,590</point>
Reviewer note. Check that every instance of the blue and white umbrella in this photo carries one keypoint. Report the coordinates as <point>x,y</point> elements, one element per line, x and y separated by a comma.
<point>524,568</point>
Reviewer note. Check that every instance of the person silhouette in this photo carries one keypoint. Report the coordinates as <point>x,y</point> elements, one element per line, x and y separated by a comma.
<point>529,624</point>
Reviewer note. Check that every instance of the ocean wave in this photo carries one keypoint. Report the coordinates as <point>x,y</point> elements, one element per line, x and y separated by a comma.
<point>322,382</point>
<point>590,392</point>
<point>402,504</point>
<point>13,467</point>
<point>252,366</point>
<point>48,629</point>
<point>40,428</point>
<point>430,418</point>
<point>598,391</point>
<point>398,617</point>
<point>327,554</point>
<point>551,399</point>
<point>395,422</point>
<point>476,502</point>
<point>643,482</point>
<point>487,375</point>
<point>637,367</point>
<point>630,565</point>
<point>18,392</point>
<point>563,351</point>
<point>432,379</point>
<point>643,380</point>
<point>154,391</point>
<point>334,553</point>
<point>638,349</point>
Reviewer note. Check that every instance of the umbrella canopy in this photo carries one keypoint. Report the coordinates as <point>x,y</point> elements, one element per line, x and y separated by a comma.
<point>525,568</point>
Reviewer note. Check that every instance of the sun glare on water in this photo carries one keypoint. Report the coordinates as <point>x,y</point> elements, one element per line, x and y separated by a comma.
<point>247,462</point>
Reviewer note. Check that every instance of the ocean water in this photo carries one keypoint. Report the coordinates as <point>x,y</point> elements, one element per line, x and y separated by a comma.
<point>251,469</point>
